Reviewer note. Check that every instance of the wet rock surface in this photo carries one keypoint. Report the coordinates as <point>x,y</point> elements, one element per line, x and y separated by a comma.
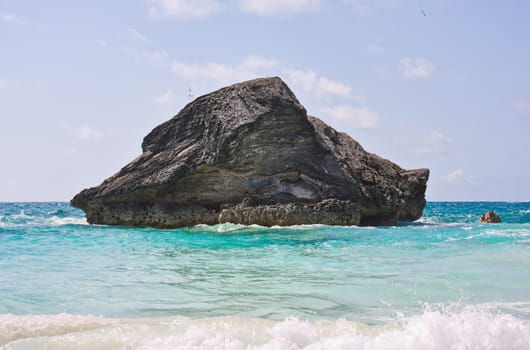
<point>490,218</point>
<point>250,154</point>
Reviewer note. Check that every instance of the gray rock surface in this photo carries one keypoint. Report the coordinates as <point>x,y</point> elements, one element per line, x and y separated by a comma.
<point>250,154</point>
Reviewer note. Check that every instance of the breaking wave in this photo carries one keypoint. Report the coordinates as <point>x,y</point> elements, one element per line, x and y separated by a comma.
<point>469,327</point>
<point>22,219</point>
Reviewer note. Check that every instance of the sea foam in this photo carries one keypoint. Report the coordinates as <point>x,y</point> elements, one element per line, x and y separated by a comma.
<point>472,327</point>
<point>54,220</point>
<point>23,219</point>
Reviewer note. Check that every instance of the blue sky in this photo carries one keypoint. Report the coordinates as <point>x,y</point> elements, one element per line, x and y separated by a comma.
<point>82,82</point>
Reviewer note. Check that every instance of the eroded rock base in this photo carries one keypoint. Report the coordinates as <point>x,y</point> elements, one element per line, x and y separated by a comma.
<point>327,212</point>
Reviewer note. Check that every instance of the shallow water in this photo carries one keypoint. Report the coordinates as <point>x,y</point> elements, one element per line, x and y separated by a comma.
<point>443,280</point>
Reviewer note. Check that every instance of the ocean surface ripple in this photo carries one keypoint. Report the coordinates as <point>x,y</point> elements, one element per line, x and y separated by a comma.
<point>443,282</point>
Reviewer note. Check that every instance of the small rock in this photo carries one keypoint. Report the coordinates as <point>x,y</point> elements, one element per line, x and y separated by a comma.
<point>490,218</point>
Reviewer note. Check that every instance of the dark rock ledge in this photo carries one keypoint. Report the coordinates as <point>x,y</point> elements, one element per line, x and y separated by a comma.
<point>250,154</point>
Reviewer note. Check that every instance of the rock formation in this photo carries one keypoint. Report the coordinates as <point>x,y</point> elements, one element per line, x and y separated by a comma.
<point>250,154</point>
<point>490,218</point>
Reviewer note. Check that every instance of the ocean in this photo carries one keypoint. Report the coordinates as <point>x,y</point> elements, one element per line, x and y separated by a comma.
<point>443,282</point>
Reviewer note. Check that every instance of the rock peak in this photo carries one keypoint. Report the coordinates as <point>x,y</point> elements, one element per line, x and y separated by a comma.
<point>249,153</point>
<point>227,108</point>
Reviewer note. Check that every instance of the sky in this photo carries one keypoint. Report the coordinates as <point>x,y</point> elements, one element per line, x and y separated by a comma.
<point>442,84</point>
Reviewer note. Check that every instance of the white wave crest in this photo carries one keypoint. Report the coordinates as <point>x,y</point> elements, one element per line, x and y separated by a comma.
<point>54,220</point>
<point>236,228</point>
<point>21,215</point>
<point>427,220</point>
<point>22,219</point>
<point>224,228</point>
<point>469,328</point>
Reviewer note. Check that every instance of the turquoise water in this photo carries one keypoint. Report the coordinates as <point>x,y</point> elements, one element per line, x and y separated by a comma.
<point>443,281</point>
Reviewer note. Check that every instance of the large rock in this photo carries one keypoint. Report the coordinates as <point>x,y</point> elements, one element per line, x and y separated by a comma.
<point>250,154</point>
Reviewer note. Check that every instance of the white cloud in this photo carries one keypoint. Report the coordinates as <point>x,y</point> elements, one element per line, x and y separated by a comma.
<point>362,7</point>
<point>454,177</point>
<point>183,8</point>
<point>521,106</point>
<point>319,85</point>
<point>253,62</point>
<point>361,118</point>
<point>257,66</point>
<point>280,7</point>
<point>163,99</point>
<point>3,85</point>
<point>11,18</point>
<point>417,67</point>
<point>366,6</point>
<point>87,133</point>
<point>432,144</point>
<point>136,35</point>
<point>214,71</point>
<point>189,9</point>
<point>252,66</point>
<point>158,56</point>
<point>221,73</point>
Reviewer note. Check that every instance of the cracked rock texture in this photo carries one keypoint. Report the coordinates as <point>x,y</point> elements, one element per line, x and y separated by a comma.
<point>250,154</point>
